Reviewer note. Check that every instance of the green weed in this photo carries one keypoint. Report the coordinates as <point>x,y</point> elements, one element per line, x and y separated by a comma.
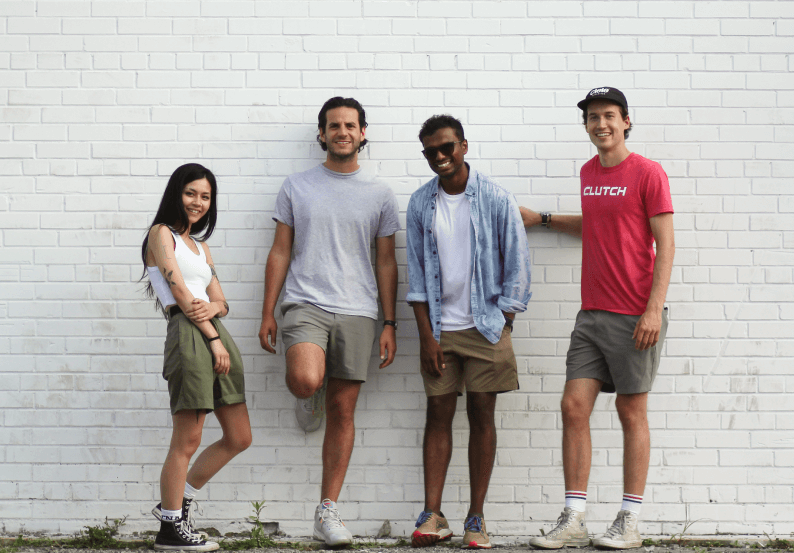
<point>100,536</point>
<point>258,539</point>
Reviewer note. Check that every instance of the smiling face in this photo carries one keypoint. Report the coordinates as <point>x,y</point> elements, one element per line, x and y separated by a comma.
<point>196,197</point>
<point>445,165</point>
<point>605,126</point>
<point>342,133</point>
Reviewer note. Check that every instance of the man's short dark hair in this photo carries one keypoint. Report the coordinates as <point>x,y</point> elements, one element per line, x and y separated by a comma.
<point>441,122</point>
<point>623,113</point>
<point>339,102</point>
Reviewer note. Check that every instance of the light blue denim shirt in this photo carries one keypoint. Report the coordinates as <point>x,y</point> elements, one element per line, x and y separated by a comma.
<point>500,278</point>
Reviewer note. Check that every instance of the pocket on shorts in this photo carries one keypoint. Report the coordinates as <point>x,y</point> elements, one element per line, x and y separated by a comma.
<point>171,353</point>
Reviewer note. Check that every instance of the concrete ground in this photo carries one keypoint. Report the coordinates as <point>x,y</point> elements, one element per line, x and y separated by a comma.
<point>704,544</point>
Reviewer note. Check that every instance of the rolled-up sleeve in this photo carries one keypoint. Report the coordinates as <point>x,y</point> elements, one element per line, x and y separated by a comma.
<point>414,234</point>
<point>515,252</point>
<point>283,212</point>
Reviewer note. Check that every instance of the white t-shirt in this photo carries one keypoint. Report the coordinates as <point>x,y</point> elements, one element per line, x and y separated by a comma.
<point>452,229</point>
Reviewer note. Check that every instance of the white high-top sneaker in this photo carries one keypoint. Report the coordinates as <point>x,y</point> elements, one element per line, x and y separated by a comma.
<point>623,534</point>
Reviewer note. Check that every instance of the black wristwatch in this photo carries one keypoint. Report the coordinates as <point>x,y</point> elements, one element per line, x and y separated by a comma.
<point>390,323</point>
<point>545,219</point>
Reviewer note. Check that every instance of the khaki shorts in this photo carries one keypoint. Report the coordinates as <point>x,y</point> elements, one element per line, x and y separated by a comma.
<point>474,363</point>
<point>346,339</point>
<point>602,348</point>
<point>187,366</point>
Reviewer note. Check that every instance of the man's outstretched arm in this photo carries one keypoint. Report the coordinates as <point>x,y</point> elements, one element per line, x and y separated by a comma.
<point>569,224</point>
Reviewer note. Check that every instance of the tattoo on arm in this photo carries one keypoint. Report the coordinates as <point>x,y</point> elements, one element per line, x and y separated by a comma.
<point>214,274</point>
<point>226,305</point>
<point>157,243</point>
<point>169,277</point>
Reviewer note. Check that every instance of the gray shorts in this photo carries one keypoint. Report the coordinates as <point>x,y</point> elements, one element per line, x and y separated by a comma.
<point>346,339</point>
<point>602,349</point>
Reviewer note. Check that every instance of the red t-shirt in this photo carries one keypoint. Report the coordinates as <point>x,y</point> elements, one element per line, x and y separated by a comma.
<point>617,243</point>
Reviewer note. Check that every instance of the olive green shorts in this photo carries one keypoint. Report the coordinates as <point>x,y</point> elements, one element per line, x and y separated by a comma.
<point>474,364</point>
<point>187,366</point>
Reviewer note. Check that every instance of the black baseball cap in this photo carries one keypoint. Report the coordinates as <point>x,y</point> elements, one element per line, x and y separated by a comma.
<point>604,93</point>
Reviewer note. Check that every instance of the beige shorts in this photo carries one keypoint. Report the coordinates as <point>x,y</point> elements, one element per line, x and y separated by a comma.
<point>346,339</point>
<point>474,364</point>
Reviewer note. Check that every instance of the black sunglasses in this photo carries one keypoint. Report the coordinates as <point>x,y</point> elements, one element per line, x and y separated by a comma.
<point>446,149</point>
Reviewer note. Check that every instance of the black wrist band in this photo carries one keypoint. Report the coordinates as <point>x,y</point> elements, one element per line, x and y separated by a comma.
<point>218,337</point>
<point>390,323</point>
<point>545,220</point>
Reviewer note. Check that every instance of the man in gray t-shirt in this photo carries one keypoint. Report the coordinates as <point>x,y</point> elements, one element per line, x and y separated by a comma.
<point>326,221</point>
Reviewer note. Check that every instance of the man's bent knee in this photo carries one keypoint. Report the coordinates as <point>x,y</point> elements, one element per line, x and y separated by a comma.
<point>305,369</point>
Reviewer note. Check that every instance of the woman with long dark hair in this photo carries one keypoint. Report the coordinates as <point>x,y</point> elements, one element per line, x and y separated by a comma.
<point>201,363</point>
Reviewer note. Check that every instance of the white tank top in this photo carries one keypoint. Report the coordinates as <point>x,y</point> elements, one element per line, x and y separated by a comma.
<point>195,271</point>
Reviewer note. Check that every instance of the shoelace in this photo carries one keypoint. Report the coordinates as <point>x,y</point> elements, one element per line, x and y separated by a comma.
<point>186,533</point>
<point>473,524</point>
<point>317,400</point>
<point>618,527</point>
<point>423,517</point>
<point>190,509</point>
<point>563,522</point>
<point>314,403</point>
<point>331,518</point>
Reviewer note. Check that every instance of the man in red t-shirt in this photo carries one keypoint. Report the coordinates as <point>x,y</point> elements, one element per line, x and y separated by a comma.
<point>617,339</point>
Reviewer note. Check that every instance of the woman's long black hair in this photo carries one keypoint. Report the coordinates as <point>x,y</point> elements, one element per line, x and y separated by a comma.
<point>172,214</point>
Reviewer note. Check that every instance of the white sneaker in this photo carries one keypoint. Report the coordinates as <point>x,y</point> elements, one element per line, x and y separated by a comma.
<point>571,531</point>
<point>328,525</point>
<point>623,533</point>
<point>310,412</point>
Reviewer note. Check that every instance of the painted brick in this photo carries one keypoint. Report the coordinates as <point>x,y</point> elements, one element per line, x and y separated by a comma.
<point>105,99</point>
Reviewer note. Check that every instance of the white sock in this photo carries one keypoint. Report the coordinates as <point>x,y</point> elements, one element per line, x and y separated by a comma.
<point>576,500</point>
<point>190,491</point>
<point>171,516</point>
<point>631,503</point>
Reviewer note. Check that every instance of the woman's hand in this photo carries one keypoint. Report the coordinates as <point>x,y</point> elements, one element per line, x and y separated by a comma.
<point>201,311</point>
<point>221,357</point>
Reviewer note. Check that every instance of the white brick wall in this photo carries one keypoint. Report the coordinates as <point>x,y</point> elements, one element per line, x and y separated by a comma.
<point>100,101</point>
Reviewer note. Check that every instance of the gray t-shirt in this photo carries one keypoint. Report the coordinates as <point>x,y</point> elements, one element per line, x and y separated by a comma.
<point>336,217</point>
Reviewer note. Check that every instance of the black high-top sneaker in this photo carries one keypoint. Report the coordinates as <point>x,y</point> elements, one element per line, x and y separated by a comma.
<point>188,508</point>
<point>176,536</point>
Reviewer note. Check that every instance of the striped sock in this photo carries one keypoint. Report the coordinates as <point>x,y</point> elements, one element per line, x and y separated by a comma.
<point>577,501</point>
<point>631,503</point>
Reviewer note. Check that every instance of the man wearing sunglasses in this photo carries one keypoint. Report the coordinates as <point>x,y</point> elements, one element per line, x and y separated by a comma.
<point>468,273</point>
<point>619,331</point>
